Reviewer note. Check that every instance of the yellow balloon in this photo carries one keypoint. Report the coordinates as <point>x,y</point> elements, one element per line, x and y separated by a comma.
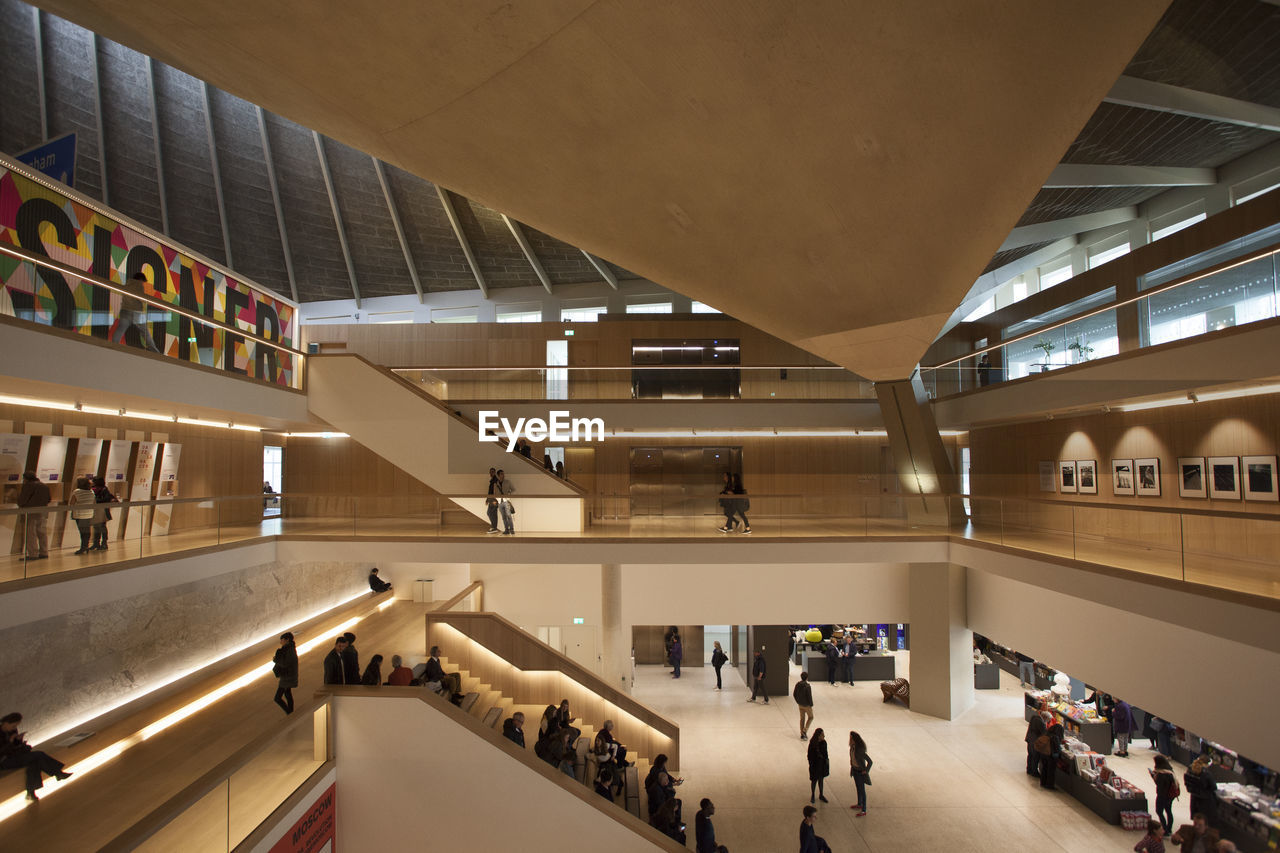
<point>813,635</point>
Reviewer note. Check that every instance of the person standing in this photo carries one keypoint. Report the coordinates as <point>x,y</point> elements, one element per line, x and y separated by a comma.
<point>1122,725</point>
<point>35,494</point>
<point>819,764</point>
<point>83,506</point>
<point>133,313</point>
<point>1166,790</point>
<point>741,503</point>
<point>333,669</point>
<point>501,488</point>
<point>718,659</point>
<point>102,495</point>
<point>15,752</point>
<point>285,669</point>
<point>860,769</point>
<point>677,655</point>
<point>350,660</point>
<point>1201,788</point>
<point>803,694</point>
<point>810,841</point>
<point>1026,670</point>
<point>832,653</point>
<point>1049,760</point>
<point>1036,728</point>
<point>757,679</point>
<point>704,833</point>
<point>491,503</point>
<point>846,659</point>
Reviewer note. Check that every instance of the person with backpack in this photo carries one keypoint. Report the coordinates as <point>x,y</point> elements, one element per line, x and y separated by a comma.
<point>718,659</point>
<point>1201,788</point>
<point>1167,791</point>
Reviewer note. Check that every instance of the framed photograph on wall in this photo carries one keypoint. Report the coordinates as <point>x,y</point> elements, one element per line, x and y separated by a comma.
<point>1067,477</point>
<point>1224,478</point>
<point>1048,481</point>
<point>1191,480</point>
<point>1087,476</point>
<point>1122,477</point>
<point>1258,474</point>
<point>1147,473</point>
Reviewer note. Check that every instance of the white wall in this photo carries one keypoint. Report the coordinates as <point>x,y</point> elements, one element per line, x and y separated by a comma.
<point>449,579</point>
<point>531,595</point>
<point>412,778</point>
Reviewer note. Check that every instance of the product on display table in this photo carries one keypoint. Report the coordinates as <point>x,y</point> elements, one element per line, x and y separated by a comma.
<point>1092,782</point>
<point>1253,815</point>
<point>1078,718</point>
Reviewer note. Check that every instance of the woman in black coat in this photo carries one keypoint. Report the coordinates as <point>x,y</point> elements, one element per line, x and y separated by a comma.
<point>373,672</point>
<point>1049,763</point>
<point>819,764</point>
<point>285,669</point>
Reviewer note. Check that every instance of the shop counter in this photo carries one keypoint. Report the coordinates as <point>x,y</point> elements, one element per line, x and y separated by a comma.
<point>986,676</point>
<point>877,667</point>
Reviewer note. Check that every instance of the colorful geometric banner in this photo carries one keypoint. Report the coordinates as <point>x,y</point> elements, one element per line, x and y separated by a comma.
<point>48,223</point>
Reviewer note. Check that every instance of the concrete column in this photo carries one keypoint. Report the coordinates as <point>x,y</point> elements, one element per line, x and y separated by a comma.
<point>941,644</point>
<point>919,458</point>
<point>615,645</point>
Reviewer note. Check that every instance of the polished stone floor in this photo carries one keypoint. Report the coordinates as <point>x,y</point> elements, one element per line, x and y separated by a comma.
<point>938,785</point>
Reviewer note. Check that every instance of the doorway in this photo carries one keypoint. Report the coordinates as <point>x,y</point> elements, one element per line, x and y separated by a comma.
<point>680,481</point>
<point>272,480</point>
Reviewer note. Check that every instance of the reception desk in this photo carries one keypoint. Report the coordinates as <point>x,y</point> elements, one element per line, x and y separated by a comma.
<point>877,666</point>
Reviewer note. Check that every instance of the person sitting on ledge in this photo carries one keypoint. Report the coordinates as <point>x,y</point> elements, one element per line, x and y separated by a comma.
<point>15,752</point>
<point>373,672</point>
<point>376,583</point>
<point>513,729</point>
<point>607,748</point>
<point>401,675</point>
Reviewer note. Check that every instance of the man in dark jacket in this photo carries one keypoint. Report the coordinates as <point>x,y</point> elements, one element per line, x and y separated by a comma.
<point>350,660</point>
<point>832,654</point>
<point>450,683</point>
<point>35,494</point>
<point>333,669</point>
<point>803,694</point>
<point>513,729</point>
<point>757,679</point>
<point>704,833</point>
<point>1035,728</point>
<point>376,583</point>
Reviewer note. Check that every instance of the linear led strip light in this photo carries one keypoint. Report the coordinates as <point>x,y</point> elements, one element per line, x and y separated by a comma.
<point>92,762</point>
<point>1200,397</point>
<point>122,413</point>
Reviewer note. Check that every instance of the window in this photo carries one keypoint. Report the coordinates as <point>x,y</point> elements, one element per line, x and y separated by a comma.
<point>1098,258</point>
<point>1055,276</point>
<point>385,317</point>
<point>649,308</point>
<point>522,313</point>
<point>704,308</point>
<point>981,311</point>
<point>455,315</point>
<point>1177,225</point>
<point>584,314</point>
<point>557,381</point>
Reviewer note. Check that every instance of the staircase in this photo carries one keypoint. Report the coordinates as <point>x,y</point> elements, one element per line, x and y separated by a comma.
<point>491,706</point>
<point>425,438</point>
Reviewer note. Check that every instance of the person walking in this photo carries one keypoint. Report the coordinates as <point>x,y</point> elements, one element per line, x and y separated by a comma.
<point>133,313</point>
<point>718,659</point>
<point>16,753</point>
<point>1166,791</point>
<point>285,668</point>
<point>83,506</point>
<point>803,694</point>
<point>860,769</point>
<point>35,494</point>
<point>502,488</point>
<point>810,841</point>
<point>1026,670</point>
<point>1036,728</point>
<point>491,503</point>
<point>677,655</point>
<point>1122,725</point>
<point>726,504</point>
<point>102,495</point>
<point>819,764</point>
<point>757,679</point>
<point>741,503</point>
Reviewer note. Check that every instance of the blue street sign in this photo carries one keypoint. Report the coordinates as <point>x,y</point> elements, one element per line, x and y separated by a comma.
<point>56,158</point>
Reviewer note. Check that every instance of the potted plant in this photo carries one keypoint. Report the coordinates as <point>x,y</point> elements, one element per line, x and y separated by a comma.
<point>1047,346</point>
<point>1082,348</point>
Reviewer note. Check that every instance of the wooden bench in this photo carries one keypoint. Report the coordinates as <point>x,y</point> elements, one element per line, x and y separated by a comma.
<point>899,688</point>
<point>469,701</point>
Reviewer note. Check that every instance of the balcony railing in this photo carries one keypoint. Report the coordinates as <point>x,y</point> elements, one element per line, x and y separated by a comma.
<point>1227,550</point>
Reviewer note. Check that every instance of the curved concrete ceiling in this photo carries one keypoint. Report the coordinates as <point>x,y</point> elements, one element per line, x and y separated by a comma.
<point>834,173</point>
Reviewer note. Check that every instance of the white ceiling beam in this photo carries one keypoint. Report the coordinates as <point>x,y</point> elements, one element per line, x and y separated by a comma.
<point>463,243</point>
<point>1162,97</point>
<point>603,268</point>
<point>996,278</point>
<point>1068,175</point>
<point>1043,232</point>
<point>518,233</point>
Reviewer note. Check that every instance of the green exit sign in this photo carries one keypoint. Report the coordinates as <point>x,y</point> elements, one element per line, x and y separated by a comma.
<point>568,333</point>
<point>578,620</point>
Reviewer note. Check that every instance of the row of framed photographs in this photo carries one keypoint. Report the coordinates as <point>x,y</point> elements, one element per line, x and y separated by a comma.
<point>1217,477</point>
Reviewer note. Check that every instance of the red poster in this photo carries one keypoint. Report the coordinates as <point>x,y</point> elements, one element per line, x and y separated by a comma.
<point>314,831</point>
